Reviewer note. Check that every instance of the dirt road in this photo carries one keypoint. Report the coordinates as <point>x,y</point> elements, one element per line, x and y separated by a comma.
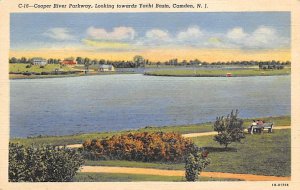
<point>149,171</point>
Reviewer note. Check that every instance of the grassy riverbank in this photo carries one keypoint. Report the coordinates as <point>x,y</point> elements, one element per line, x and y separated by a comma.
<point>218,73</point>
<point>28,71</point>
<point>182,129</point>
<point>21,76</point>
<point>109,177</point>
<point>19,71</point>
<point>21,67</point>
<point>259,154</point>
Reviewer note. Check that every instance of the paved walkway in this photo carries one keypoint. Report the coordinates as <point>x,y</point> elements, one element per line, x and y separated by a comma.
<point>189,135</point>
<point>160,172</point>
<point>214,133</point>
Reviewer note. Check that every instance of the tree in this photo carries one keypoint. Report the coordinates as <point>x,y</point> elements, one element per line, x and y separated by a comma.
<point>13,60</point>
<point>79,60</point>
<point>87,64</point>
<point>55,61</point>
<point>195,162</point>
<point>94,62</point>
<point>101,62</point>
<point>230,129</point>
<point>50,61</point>
<point>138,60</point>
<point>23,60</point>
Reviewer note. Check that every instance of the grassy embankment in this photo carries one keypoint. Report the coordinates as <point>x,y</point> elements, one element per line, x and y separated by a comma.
<point>218,73</point>
<point>265,154</point>
<point>21,68</point>
<point>261,154</point>
<point>182,129</point>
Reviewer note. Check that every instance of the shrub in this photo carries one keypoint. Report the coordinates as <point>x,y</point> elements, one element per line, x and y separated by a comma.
<point>27,73</point>
<point>145,146</point>
<point>195,162</point>
<point>230,129</point>
<point>42,163</point>
<point>45,73</point>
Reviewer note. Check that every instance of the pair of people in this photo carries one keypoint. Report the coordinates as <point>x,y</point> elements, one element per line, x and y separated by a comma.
<point>257,122</point>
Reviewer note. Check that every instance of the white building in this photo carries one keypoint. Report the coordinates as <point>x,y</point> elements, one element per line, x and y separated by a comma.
<point>39,61</point>
<point>105,68</point>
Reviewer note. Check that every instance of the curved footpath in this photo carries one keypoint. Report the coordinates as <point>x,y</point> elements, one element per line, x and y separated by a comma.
<point>188,135</point>
<point>160,172</point>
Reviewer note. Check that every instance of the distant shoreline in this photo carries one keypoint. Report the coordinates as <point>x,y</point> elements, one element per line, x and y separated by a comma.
<point>21,76</point>
<point>167,75</point>
<point>218,73</point>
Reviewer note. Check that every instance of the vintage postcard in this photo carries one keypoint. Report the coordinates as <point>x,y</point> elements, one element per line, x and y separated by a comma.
<point>149,94</point>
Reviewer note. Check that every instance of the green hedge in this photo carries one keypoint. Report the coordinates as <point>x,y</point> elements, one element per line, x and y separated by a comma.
<point>42,163</point>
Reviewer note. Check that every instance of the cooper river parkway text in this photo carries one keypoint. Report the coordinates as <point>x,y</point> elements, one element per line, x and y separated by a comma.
<point>114,6</point>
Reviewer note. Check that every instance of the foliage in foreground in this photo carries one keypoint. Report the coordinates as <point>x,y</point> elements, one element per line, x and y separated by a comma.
<point>266,154</point>
<point>145,146</point>
<point>195,162</point>
<point>230,129</point>
<point>42,163</point>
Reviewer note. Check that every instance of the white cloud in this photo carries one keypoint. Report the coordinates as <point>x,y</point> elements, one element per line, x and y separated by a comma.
<point>157,35</point>
<point>190,34</point>
<point>117,34</point>
<point>236,33</point>
<point>59,34</point>
<point>261,38</point>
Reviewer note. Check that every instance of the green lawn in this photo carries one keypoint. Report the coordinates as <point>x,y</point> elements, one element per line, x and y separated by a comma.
<point>80,138</point>
<point>212,73</point>
<point>135,164</point>
<point>182,129</point>
<point>261,154</point>
<point>21,67</point>
<point>21,76</point>
<point>109,177</point>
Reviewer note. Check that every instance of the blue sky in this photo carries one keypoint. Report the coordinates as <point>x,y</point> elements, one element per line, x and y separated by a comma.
<point>121,32</point>
<point>27,28</point>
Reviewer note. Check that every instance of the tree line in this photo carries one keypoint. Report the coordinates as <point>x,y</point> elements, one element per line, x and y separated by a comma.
<point>139,61</point>
<point>30,60</point>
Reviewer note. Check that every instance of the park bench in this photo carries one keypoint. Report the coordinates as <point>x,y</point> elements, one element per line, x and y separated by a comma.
<point>260,128</point>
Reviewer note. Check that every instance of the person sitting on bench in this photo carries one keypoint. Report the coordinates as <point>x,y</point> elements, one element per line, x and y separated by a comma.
<point>250,130</point>
<point>260,122</point>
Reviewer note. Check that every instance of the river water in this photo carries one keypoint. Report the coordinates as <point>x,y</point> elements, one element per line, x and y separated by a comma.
<point>61,106</point>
